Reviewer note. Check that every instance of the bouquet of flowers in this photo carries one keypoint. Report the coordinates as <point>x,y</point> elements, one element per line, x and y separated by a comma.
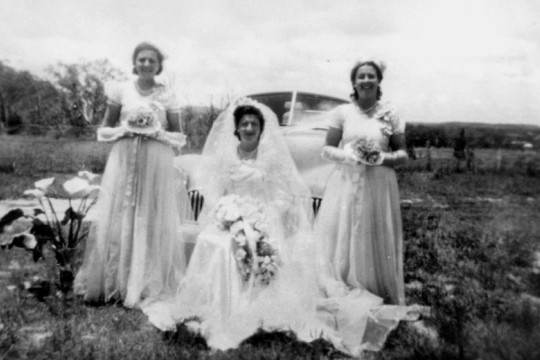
<point>143,121</point>
<point>366,151</point>
<point>256,256</point>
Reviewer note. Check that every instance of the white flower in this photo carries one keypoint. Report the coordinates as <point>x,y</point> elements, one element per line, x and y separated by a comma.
<point>261,226</point>
<point>251,235</point>
<point>29,241</point>
<point>44,184</point>
<point>77,187</point>
<point>240,255</point>
<point>267,260</point>
<point>231,214</point>
<point>236,227</point>
<point>220,214</point>
<point>87,175</point>
<point>34,193</point>
<point>240,238</point>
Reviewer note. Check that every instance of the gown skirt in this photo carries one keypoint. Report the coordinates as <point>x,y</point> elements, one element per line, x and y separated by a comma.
<point>135,249</point>
<point>360,230</point>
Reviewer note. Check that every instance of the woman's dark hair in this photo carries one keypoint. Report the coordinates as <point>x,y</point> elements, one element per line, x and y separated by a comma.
<point>148,46</point>
<point>378,71</point>
<point>242,110</point>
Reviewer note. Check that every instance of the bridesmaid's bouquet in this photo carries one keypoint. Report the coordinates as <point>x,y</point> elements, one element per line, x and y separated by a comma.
<point>143,121</point>
<point>366,151</point>
<point>256,256</point>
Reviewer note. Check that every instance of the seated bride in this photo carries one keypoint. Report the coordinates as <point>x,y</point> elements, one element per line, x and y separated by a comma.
<point>253,266</point>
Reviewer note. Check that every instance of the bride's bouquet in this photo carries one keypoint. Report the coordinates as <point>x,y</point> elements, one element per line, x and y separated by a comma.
<point>256,256</point>
<point>366,151</point>
<point>142,121</point>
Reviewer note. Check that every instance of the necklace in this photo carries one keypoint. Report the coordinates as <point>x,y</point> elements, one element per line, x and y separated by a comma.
<point>247,155</point>
<point>365,111</point>
<point>144,92</point>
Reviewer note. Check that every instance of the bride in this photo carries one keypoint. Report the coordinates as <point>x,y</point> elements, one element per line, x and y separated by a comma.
<point>253,264</point>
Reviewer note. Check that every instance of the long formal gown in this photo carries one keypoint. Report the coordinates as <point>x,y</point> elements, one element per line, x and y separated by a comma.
<point>135,249</point>
<point>214,297</point>
<point>359,223</point>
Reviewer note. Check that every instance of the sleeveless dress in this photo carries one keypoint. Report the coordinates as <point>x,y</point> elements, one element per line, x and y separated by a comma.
<point>135,248</point>
<point>359,223</point>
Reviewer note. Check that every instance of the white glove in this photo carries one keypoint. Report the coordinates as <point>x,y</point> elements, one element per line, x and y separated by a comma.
<point>109,134</point>
<point>345,156</point>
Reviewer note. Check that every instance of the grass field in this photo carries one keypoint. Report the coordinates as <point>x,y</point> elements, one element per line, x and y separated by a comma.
<point>472,242</point>
<point>30,155</point>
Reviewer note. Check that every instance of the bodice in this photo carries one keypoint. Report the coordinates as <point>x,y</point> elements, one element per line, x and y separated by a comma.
<point>378,127</point>
<point>246,179</point>
<point>131,101</point>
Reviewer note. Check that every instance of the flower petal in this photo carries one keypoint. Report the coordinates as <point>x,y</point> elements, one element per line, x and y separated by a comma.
<point>76,187</point>
<point>44,184</point>
<point>37,193</point>
<point>87,175</point>
<point>30,241</point>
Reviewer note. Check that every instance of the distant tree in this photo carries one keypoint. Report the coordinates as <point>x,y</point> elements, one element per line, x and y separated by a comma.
<point>460,143</point>
<point>14,86</point>
<point>196,124</point>
<point>84,88</point>
<point>43,108</point>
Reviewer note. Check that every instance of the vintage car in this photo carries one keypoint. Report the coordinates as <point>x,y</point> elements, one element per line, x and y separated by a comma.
<point>304,127</point>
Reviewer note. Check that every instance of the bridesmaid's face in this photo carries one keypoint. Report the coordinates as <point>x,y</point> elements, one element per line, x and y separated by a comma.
<point>366,82</point>
<point>147,64</point>
<point>249,128</point>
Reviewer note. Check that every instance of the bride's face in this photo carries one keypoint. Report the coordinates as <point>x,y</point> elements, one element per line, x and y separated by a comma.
<point>366,82</point>
<point>249,129</point>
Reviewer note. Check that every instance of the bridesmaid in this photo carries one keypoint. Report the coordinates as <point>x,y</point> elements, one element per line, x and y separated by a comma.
<point>359,223</point>
<point>135,250</point>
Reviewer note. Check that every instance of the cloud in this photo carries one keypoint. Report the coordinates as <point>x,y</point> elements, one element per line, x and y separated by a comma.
<point>459,50</point>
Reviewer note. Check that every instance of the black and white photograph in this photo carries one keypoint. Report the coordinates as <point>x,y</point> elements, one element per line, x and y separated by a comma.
<point>286,179</point>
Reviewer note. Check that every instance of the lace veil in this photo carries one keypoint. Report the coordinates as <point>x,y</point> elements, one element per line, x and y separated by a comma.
<point>283,184</point>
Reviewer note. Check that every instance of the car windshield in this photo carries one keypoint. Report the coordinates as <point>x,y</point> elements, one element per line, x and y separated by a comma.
<point>306,106</point>
<point>310,106</point>
<point>275,101</point>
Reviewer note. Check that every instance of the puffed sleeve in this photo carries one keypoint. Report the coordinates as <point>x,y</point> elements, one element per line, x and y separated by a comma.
<point>173,103</point>
<point>335,118</point>
<point>398,124</point>
<point>113,91</point>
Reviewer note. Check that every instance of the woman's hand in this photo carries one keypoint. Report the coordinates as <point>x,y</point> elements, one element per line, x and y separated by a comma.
<point>108,134</point>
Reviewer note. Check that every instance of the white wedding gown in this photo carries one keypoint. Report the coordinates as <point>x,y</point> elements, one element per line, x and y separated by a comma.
<point>303,299</point>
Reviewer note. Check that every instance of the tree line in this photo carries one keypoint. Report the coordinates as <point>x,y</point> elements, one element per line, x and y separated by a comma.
<point>71,101</point>
<point>476,135</point>
<point>67,102</point>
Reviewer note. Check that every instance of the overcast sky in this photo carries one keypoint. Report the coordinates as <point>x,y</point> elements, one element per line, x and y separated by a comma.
<point>455,60</point>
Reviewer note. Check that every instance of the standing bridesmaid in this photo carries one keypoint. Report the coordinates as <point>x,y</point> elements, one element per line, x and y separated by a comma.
<point>359,223</point>
<point>135,250</point>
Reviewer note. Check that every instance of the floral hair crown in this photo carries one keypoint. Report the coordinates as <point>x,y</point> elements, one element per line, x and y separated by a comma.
<point>245,101</point>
